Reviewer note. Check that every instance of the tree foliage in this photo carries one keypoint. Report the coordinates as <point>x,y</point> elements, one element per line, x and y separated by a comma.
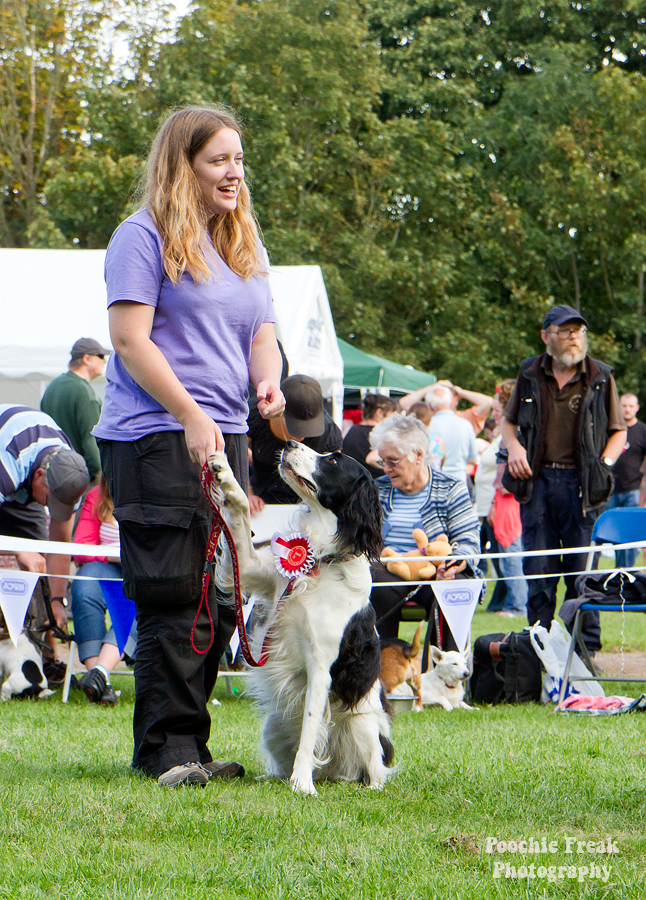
<point>454,169</point>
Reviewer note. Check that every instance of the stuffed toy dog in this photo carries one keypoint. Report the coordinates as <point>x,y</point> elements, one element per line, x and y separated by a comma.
<point>418,569</point>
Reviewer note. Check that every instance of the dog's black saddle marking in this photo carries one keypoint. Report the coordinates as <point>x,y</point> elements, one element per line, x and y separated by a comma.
<point>31,672</point>
<point>358,664</point>
<point>387,749</point>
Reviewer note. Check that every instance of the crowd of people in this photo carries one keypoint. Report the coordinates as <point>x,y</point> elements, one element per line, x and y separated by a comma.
<point>191,321</point>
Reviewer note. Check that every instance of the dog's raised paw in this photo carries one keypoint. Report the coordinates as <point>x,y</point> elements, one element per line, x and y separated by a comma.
<point>217,462</point>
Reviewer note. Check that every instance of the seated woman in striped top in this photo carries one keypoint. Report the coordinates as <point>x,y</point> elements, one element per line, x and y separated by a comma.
<point>413,495</point>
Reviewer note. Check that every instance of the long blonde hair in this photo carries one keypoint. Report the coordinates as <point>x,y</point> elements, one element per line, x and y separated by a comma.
<point>105,506</point>
<point>173,198</point>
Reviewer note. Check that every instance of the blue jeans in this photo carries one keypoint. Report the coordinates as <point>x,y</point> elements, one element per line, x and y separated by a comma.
<point>624,559</point>
<point>553,519</point>
<point>89,609</point>
<point>516,599</point>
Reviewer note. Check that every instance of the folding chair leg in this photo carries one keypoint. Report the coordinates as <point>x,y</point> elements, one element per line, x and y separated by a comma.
<point>433,619</point>
<point>578,630</point>
<point>227,678</point>
<point>568,661</point>
<point>68,672</point>
<point>577,638</point>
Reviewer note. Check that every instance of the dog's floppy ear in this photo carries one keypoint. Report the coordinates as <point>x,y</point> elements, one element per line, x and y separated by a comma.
<point>359,520</point>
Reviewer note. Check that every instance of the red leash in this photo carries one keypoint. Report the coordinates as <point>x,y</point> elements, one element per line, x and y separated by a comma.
<point>213,495</point>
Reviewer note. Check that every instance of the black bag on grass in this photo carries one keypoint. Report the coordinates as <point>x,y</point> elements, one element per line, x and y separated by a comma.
<point>505,667</point>
<point>487,683</point>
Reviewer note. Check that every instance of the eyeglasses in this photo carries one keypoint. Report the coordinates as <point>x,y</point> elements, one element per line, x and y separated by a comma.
<point>100,355</point>
<point>563,333</point>
<point>388,463</point>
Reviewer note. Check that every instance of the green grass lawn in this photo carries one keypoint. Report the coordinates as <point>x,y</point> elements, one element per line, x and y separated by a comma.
<point>76,823</point>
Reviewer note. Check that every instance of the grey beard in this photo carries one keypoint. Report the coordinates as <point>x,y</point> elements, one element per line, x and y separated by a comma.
<point>569,359</point>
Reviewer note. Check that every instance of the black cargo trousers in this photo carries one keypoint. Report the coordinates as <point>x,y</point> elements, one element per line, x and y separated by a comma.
<point>164,523</point>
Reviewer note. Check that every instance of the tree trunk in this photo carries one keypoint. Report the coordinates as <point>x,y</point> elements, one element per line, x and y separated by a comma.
<point>640,309</point>
<point>577,288</point>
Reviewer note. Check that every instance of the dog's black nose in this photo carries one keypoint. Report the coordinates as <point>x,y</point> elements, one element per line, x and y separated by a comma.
<point>291,445</point>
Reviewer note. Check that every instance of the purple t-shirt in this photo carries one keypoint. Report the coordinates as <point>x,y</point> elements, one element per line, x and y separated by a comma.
<point>205,330</point>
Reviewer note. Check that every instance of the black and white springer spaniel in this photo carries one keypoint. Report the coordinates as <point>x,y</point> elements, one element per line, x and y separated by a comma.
<point>325,712</point>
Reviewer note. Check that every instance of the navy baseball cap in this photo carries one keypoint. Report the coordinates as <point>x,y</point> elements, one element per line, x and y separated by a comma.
<point>558,315</point>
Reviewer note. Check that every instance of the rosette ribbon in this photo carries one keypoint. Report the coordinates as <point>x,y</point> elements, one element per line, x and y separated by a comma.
<point>294,555</point>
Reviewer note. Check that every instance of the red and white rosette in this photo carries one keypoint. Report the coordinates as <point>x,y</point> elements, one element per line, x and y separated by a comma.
<point>294,555</point>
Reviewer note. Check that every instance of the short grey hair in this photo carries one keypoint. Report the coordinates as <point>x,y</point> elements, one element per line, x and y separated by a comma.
<point>439,397</point>
<point>406,433</point>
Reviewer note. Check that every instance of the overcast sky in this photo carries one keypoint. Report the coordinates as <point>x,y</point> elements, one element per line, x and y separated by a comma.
<point>182,6</point>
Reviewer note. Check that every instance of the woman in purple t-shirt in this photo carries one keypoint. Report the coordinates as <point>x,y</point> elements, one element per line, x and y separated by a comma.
<point>191,323</point>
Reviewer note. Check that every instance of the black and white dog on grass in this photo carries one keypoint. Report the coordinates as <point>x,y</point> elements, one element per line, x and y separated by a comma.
<point>325,712</point>
<point>21,671</point>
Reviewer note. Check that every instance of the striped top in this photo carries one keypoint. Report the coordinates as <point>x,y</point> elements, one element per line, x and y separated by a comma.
<point>447,509</point>
<point>26,437</point>
<point>406,508</point>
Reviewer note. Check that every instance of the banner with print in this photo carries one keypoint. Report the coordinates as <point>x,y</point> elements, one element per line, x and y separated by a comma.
<point>458,600</point>
<point>16,589</point>
<point>122,610</point>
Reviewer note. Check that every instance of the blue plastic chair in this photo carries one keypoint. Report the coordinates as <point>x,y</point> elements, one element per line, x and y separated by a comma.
<point>616,526</point>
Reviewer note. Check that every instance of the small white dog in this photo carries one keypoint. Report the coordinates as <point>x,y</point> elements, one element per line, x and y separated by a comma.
<point>21,670</point>
<point>444,685</point>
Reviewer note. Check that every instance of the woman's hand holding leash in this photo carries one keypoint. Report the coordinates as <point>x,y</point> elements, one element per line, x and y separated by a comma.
<point>203,437</point>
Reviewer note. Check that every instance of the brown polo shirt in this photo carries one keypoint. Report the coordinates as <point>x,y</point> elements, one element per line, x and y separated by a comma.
<point>562,411</point>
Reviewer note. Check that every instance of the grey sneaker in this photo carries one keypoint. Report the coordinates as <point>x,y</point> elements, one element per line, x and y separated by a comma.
<point>219,769</point>
<point>189,773</point>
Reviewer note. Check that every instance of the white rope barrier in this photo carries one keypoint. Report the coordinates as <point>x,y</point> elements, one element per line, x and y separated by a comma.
<point>559,551</point>
<point>25,545</point>
<point>607,572</point>
<point>68,577</point>
<point>19,545</point>
<point>11,546</point>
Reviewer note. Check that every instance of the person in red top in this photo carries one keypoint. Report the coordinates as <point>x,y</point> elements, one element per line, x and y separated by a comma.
<point>97,650</point>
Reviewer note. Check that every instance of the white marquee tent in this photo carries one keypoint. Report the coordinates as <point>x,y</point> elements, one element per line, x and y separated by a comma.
<point>305,329</point>
<point>50,298</point>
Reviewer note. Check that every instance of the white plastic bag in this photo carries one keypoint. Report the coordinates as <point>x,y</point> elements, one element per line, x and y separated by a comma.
<point>551,647</point>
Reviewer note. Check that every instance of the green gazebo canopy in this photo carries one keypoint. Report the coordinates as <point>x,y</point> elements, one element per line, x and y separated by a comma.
<point>364,370</point>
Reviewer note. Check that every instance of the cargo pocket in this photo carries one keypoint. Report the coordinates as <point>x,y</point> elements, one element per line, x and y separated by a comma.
<point>163,560</point>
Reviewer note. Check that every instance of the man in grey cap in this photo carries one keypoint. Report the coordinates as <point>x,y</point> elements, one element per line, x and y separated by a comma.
<point>304,420</point>
<point>563,430</point>
<point>71,401</point>
<point>38,469</point>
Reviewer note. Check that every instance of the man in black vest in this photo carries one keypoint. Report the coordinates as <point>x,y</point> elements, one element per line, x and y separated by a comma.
<point>563,430</point>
